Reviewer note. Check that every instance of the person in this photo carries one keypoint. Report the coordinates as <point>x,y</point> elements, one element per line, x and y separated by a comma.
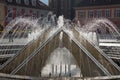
<point>70,74</point>
<point>59,74</point>
<point>118,37</point>
<point>98,31</point>
<point>49,74</point>
<point>10,36</point>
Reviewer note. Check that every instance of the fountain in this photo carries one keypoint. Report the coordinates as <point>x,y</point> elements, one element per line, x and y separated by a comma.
<point>63,50</point>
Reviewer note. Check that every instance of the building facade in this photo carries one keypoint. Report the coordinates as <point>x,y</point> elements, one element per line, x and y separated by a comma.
<point>23,8</point>
<point>60,7</point>
<point>89,9</point>
<point>2,12</point>
<point>64,7</point>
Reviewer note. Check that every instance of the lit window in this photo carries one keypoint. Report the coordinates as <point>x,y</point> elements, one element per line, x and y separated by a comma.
<point>18,1</point>
<point>82,14</point>
<point>117,13</point>
<point>99,13</point>
<point>26,2</point>
<point>33,2</point>
<point>91,14</point>
<point>107,13</point>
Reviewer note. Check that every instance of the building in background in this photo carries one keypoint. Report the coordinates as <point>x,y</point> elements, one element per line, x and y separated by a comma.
<point>64,7</point>
<point>61,7</point>
<point>89,9</point>
<point>23,8</point>
<point>2,12</point>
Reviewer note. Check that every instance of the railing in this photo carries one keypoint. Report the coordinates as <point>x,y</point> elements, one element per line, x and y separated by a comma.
<point>18,77</point>
<point>112,52</point>
<point>34,53</point>
<point>108,36</point>
<point>44,43</point>
<point>87,51</point>
<point>90,56</point>
<point>21,51</point>
<point>97,53</point>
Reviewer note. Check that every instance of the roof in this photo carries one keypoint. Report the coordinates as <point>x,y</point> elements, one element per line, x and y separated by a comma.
<point>39,4</point>
<point>85,3</point>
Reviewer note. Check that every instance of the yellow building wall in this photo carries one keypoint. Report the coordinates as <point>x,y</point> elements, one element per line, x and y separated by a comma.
<point>2,14</point>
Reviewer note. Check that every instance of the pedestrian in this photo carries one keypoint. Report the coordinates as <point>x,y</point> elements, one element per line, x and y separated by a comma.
<point>49,74</point>
<point>11,36</point>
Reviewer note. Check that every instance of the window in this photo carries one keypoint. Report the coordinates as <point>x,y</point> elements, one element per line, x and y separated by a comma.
<point>34,15</point>
<point>9,12</point>
<point>18,1</point>
<point>108,0</point>
<point>92,1</point>
<point>99,13</point>
<point>9,0</point>
<point>26,2</point>
<point>26,14</point>
<point>117,13</point>
<point>42,15</point>
<point>33,2</point>
<point>23,12</point>
<point>18,13</point>
<point>82,14</point>
<point>62,4</point>
<point>107,13</point>
<point>91,14</point>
